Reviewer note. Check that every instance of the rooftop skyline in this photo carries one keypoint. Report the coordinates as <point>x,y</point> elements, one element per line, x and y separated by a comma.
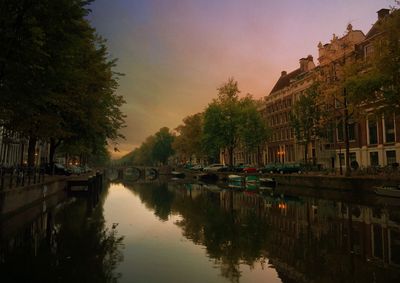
<point>175,53</point>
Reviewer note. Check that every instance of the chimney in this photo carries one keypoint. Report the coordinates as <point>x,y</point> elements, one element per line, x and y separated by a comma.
<point>283,73</point>
<point>303,64</point>
<point>383,13</point>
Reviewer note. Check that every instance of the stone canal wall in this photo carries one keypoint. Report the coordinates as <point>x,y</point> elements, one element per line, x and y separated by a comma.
<point>335,182</point>
<point>16,199</point>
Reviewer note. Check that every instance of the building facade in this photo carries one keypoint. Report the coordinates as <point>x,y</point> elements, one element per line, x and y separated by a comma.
<point>374,141</point>
<point>282,146</point>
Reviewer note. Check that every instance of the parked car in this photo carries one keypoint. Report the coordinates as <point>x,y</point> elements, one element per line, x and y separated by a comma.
<point>75,169</point>
<point>215,168</point>
<point>249,169</point>
<point>289,168</point>
<point>86,169</point>
<point>238,167</point>
<point>187,166</point>
<point>57,169</point>
<point>197,167</point>
<point>269,168</point>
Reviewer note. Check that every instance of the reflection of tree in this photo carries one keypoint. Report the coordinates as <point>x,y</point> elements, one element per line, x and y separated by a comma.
<point>229,238</point>
<point>157,198</point>
<point>76,249</point>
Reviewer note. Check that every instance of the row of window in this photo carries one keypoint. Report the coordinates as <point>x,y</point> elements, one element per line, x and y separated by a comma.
<point>373,157</point>
<point>389,134</point>
<point>279,119</point>
<point>282,134</point>
<point>389,131</point>
<point>279,105</point>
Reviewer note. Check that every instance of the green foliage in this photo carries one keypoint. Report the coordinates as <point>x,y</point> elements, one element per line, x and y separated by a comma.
<point>155,149</point>
<point>222,118</point>
<point>230,121</point>
<point>305,117</point>
<point>377,80</point>
<point>252,128</point>
<point>189,139</point>
<point>162,148</point>
<point>56,78</point>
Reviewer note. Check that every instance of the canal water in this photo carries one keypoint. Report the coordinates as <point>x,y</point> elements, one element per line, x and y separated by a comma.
<point>176,232</point>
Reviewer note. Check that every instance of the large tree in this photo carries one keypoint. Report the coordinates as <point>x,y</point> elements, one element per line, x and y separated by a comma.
<point>162,149</point>
<point>56,78</point>
<point>305,118</point>
<point>377,79</point>
<point>230,121</point>
<point>188,142</point>
<point>222,119</point>
<point>253,130</point>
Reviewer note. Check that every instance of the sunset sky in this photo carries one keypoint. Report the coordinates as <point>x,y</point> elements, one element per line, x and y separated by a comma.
<point>175,53</point>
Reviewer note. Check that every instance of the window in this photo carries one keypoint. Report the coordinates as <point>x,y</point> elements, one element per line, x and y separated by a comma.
<point>337,103</point>
<point>372,132</point>
<point>377,241</point>
<point>352,131</point>
<point>352,157</point>
<point>389,129</point>
<point>374,158</point>
<point>329,133</point>
<point>390,157</point>
<point>368,51</point>
<point>339,130</point>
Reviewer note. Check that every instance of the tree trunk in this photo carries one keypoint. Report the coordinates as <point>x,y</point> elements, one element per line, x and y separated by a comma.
<point>52,152</point>
<point>306,153</point>
<point>346,134</point>
<point>22,154</point>
<point>230,153</point>
<point>31,151</point>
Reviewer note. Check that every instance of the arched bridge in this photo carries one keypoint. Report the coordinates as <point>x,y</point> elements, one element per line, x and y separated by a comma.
<point>132,172</point>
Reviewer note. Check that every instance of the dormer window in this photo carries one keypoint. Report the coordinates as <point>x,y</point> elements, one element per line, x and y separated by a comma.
<point>368,51</point>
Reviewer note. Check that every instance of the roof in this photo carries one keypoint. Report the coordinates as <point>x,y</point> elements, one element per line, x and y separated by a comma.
<point>373,31</point>
<point>376,29</point>
<point>285,80</point>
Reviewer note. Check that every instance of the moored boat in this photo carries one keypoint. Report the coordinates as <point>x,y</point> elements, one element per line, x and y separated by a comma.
<point>177,174</point>
<point>390,191</point>
<point>268,182</point>
<point>251,186</point>
<point>252,179</point>
<point>235,178</point>
<point>207,177</point>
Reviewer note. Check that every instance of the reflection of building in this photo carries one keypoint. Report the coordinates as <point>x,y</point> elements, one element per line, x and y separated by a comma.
<point>310,239</point>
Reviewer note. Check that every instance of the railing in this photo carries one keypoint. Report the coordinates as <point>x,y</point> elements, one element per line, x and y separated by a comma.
<point>13,177</point>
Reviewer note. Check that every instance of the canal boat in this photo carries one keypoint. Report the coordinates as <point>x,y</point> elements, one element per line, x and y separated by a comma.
<point>252,179</point>
<point>268,182</point>
<point>235,178</point>
<point>252,186</point>
<point>177,174</point>
<point>235,185</point>
<point>389,191</point>
<point>207,177</point>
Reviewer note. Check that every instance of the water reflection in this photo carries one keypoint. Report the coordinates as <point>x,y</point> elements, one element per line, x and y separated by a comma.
<point>304,238</point>
<point>178,232</point>
<point>65,242</point>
